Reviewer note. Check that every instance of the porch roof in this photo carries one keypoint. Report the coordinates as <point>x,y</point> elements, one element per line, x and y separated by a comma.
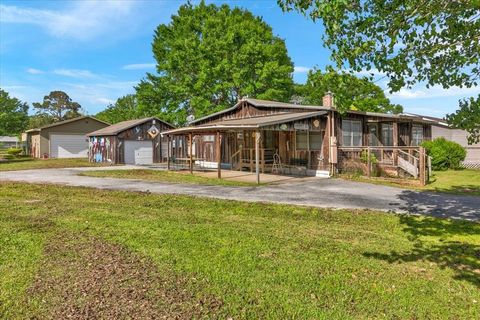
<point>249,123</point>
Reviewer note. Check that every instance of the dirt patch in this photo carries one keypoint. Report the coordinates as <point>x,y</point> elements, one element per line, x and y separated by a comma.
<point>83,277</point>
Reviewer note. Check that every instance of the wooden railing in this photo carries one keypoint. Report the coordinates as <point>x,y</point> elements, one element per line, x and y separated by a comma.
<point>412,160</point>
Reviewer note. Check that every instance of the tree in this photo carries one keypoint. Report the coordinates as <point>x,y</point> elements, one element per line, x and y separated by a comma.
<point>467,117</point>
<point>435,41</point>
<point>13,115</point>
<point>59,106</point>
<point>208,57</point>
<point>351,92</point>
<point>125,108</point>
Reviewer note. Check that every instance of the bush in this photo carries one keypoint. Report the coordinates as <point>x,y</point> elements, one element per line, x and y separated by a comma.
<point>14,151</point>
<point>445,154</point>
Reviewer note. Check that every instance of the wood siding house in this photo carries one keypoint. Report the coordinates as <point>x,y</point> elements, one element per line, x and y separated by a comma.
<point>270,136</point>
<point>137,141</point>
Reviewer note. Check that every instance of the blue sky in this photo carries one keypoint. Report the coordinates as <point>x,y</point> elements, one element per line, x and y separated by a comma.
<point>96,51</point>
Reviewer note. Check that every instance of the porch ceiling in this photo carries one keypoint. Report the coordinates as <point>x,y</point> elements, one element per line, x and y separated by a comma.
<point>249,123</point>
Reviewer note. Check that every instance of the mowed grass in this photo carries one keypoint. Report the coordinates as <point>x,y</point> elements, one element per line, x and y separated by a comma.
<point>164,176</point>
<point>25,163</point>
<point>259,261</point>
<point>462,182</point>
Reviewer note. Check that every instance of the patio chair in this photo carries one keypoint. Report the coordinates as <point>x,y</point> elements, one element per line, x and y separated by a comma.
<point>277,164</point>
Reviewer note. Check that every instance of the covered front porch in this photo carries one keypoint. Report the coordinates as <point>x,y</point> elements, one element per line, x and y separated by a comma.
<point>282,145</point>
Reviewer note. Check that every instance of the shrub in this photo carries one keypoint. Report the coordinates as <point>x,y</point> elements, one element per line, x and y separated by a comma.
<point>445,154</point>
<point>364,157</point>
<point>14,151</point>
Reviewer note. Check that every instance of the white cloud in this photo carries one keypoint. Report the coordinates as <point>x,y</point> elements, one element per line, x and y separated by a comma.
<point>139,66</point>
<point>83,20</point>
<point>301,69</point>
<point>75,73</point>
<point>34,71</point>
<point>421,92</point>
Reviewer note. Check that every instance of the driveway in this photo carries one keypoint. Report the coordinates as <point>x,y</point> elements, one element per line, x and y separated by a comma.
<point>325,193</point>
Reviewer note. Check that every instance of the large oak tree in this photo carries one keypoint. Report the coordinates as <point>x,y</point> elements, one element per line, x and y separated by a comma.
<point>411,41</point>
<point>208,57</point>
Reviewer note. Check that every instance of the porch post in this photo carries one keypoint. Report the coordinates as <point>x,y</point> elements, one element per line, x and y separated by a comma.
<point>218,150</point>
<point>257,156</point>
<point>395,143</point>
<point>168,152</point>
<point>190,152</point>
<point>422,166</point>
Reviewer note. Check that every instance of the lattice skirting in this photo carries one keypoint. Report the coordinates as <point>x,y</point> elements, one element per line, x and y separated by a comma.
<point>471,164</point>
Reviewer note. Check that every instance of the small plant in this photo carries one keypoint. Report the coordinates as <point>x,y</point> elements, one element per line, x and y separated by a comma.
<point>364,157</point>
<point>14,151</point>
<point>445,154</point>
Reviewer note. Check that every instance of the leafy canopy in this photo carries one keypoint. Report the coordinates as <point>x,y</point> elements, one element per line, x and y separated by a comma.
<point>434,41</point>
<point>125,108</point>
<point>13,115</point>
<point>351,92</point>
<point>208,57</point>
<point>57,106</point>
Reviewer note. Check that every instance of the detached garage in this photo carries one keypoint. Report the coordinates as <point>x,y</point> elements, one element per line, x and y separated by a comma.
<point>136,142</point>
<point>65,139</point>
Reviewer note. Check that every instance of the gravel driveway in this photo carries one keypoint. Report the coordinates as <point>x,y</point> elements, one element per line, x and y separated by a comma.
<point>326,193</point>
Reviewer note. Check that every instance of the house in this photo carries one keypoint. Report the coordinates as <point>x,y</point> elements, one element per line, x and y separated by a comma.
<point>130,142</point>
<point>440,128</point>
<point>64,139</point>
<point>8,142</point>
<point>278,137</point>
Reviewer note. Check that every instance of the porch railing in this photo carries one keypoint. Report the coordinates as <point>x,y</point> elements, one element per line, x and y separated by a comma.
<point>411,160</point>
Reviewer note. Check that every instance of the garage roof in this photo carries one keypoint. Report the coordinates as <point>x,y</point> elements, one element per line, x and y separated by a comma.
<point>65,122</point>
<point>116,128</point>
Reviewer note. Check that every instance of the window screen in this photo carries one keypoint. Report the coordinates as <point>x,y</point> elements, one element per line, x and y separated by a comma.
<point>417,135</point>
<point>302,140</point>
<point>351,133</point>
<point>315,140</point>
<point>387,134</point>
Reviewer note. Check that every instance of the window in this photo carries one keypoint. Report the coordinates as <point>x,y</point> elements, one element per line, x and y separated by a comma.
<point>315,140</point>
<point>372,135</point>
<point>351,133</point>
<point>387,134</point>
<point>302,140</point>
<point>269,139</point>
<point>417,135</point>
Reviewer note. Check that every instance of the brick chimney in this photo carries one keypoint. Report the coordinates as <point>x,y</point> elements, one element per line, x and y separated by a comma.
<point>328,100</point>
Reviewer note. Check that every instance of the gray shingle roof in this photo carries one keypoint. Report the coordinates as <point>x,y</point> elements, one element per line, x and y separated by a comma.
<point>116,128</point>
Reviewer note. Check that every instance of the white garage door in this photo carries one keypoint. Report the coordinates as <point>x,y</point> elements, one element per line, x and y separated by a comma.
<point>138,152</point>
<point>68,146</point>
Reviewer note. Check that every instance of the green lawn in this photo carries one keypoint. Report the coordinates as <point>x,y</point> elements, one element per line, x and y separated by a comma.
<point>24,163</point>
<point>463,182</point>
<point>63,249</point>
<point>165,176</point>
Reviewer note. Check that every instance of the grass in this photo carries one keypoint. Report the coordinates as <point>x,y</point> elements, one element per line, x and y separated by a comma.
<point>165,176</point>
<point>243,260</point>
<point>26,163</point>
<point>462,182</point>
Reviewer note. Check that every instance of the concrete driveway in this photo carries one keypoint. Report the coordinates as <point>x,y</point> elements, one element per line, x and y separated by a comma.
<point>325,193</point>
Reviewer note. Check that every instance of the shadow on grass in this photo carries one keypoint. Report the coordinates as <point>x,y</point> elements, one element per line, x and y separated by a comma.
<point>462,258</point>
<point>467,189</point>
